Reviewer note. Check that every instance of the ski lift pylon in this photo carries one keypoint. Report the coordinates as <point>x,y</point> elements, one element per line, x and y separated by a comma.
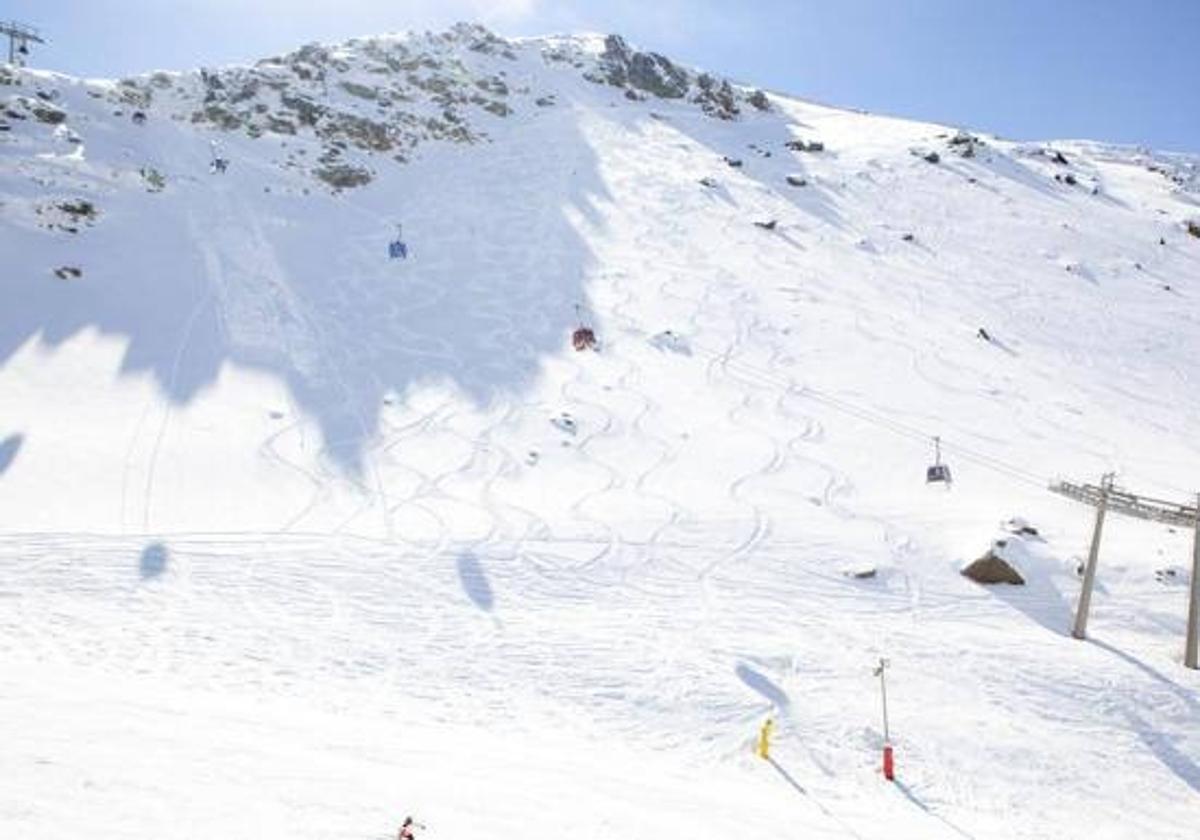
<point>938,473</point>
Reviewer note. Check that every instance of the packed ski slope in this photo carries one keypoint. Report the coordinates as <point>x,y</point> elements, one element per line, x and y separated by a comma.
<point>297,539</point>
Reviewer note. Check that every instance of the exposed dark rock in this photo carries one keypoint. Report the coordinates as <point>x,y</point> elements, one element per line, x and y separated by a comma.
<point>650,72</point>
<point>280,125</point>
<point>155,181</point>
<point>479,39</point>
<point>769,225</point>
<point>500,109</point>
<point>307,111</point>
<point>344,176</point>
<point>80,209</point>
<point>992,568</point>
<point>361,91</point>
<point>965,144</point>
<point>68,272</point>
<point>796,181</point>
<point>758,99</point>
<point>493,85</point>
<point>799,145</point>
<point>1193,228</point>
<point>361,132</point>
<point>932,157</point>
<point>715,98</point>
<point>49,114</point>
<point>220,116</point>
<point>736,163</point>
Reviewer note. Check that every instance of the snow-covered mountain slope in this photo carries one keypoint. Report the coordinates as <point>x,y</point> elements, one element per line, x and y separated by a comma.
<point>296,537</point>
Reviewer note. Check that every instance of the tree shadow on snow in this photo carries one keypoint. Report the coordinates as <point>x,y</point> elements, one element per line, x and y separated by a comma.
<point>153,561</point>
<point>9,447</point>
<point>475,581</point>
<point>216,272</point>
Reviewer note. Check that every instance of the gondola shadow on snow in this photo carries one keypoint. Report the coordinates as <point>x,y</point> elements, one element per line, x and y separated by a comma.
<point>302,289</point>
<point>474,581</point>
<point>762,685</point>
<point>153,561</point>
<point>9,447</point>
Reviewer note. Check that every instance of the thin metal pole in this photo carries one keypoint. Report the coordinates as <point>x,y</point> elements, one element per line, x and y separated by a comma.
<point>883,690</point>
<point>1189,657</point>
<point>1089,574</point>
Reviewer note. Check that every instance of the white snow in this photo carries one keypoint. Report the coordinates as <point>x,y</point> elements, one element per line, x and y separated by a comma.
<point>296,539</point>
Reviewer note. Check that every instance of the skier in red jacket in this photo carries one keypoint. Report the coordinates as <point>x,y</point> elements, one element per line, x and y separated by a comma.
<point>408,830</point>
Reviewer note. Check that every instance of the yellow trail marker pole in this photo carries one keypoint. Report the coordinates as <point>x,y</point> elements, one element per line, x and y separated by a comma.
<point>764,739</point>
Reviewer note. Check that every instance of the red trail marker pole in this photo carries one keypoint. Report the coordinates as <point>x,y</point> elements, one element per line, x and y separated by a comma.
<point>889,763</point>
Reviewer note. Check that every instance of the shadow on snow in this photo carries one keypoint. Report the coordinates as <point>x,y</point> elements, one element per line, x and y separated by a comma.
<point>224,271</point>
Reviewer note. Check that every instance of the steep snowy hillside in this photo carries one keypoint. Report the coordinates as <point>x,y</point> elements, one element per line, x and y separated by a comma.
<point>297,537</point>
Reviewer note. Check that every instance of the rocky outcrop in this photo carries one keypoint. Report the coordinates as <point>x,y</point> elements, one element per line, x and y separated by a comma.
<point>343,176</point>
<point>655,74</point>
<point>716,99</point>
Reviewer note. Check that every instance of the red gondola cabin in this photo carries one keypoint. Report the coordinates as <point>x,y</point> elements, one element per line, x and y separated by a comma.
<point>584,339</point>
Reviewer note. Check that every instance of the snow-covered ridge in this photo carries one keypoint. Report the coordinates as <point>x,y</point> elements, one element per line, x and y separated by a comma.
<point>387,95</point>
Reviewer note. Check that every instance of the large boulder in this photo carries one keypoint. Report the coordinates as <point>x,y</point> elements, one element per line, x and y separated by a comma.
<point>992,568</point>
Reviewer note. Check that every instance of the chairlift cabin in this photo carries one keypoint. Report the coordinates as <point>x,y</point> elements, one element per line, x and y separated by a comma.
<point>397,249</point>
<point>938,473</point>
<point>219,162</point>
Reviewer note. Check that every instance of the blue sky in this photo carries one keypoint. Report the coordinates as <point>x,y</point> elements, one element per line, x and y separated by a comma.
<point>1115,70</point>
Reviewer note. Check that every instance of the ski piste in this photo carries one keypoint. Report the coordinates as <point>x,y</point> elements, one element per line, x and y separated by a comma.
<point>295,534</point>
